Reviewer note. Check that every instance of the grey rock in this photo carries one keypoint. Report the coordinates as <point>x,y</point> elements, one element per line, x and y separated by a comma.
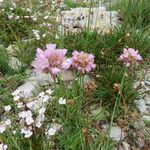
<point>116,133</point>
<point>142,106</point>
<point>146,117</point>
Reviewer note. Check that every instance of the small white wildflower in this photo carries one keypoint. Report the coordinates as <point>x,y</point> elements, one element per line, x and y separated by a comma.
<point>11,8</point>
<point>45,98</point>
<point>49,91</point>
<point>42,94</point>
<point>46,17</point>
<point>30,105</point>
<point>20,105</point>
<point>39,120</point>
<point>29,120</point>
<point>15,93</point>
<point>8,122</point>
<point>26,17</point>
<point>10,16</point>
<point>3,146</point>
<point>28,10</point>
<point>16,98</point>
<point>51,131</point>
<point>27,132</point>
<point>62,101</point>
<point>44,35</point>
<point>42,110</point>
<point>25,114</point>
<point>17,17</point>
<point>2,127</point>
<point>14,132</point>
<point>7,108</point>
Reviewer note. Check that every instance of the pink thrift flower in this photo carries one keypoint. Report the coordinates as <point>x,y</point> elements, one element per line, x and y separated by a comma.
<point>82,61</point>
<point>51,60</point>
<point>130,56</point>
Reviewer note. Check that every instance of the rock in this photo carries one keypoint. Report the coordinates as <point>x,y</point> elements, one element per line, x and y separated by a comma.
<point>94,18</point>
<point>142,106</point>
<point>14,63</point>
<point>116,133</point>
<point>36,80</point>
<point>147,99</point>
<point>126,146</point>
<point>146,117</point>
<point>147,83</point>
<point>67,75</point>
<point>33,82</point>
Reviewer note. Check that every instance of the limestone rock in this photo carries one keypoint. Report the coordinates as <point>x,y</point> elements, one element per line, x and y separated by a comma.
<point>116,133</point>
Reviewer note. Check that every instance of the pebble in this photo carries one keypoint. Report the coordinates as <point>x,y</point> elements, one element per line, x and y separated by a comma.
<point>142,106</point>
<point>116,133</point>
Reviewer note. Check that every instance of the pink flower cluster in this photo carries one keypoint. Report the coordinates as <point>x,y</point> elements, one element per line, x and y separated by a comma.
<point>130,56</point>
<point>54,60</point>
<point>51,60</point>
<point>82,61</point>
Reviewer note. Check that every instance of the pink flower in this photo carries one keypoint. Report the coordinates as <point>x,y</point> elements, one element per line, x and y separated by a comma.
<point>82,61</point>
<point>130,56</point>
<point>51,60</point>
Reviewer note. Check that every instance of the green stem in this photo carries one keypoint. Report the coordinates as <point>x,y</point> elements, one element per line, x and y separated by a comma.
<point>116,102</point>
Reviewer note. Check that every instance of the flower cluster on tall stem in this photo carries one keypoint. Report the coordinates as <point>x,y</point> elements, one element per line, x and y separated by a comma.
<point>51,60</point>
<point>130,56</point>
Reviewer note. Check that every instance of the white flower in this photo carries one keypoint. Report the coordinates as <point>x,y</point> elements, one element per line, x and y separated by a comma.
<point>42,94</point>
<point>39,120</point>
<point>44,35</point>
<point>1,1</point>
<point>27,132</point>
<point>10,16</point>
<point>7,108</point>
<point>45,98</point>
<point>36,33</point>
<point>8,122</point>
<point>4,125</point>
<point>2,128</point>
<point>20,105</point>
<point>29,120</point>
<point>49,91</point>
<point>3,146</point>
<point>26,17</point>
<point>38,124</point>
<point>53,129</point>
<point>30,105</point>
<point>15,93</point>
<point>28,10</point>
<point>42,110</point>
<point>16,98</point>
<point>62,101</point>
<point>46,17</point>
<point>14,132</point>
<point>17,17</point>
<point>25,114</point>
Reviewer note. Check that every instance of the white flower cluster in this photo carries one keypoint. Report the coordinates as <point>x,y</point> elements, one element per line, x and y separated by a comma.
<point>32,112</point>
<point>52,130</point>
<point>3,146</point>
<point>4,125</point>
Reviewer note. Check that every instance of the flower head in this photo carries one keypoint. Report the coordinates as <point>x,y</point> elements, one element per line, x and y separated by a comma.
<point>62,101</point>
<point>51,60</point>
<point>130,56</point>
<point>82,61</point>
